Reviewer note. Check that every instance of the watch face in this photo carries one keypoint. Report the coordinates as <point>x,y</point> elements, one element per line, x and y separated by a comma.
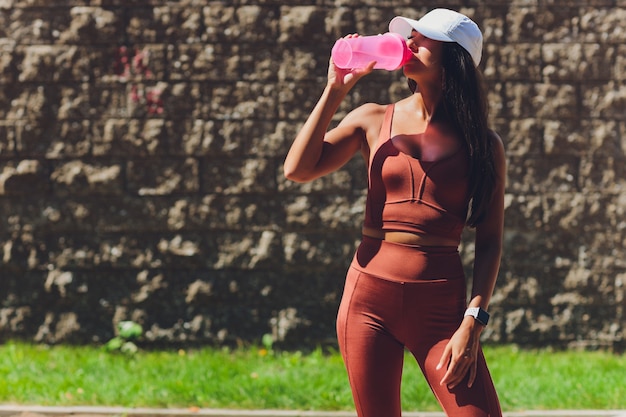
<point>482,316</point>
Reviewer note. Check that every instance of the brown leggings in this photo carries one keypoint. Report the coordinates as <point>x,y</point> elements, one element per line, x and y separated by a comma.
<point>396,297</point>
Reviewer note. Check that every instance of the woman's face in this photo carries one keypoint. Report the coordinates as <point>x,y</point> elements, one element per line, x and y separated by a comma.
<point>426,53</point>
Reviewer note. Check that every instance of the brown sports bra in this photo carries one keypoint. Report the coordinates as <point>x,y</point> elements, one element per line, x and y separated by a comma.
<point>409,195</point>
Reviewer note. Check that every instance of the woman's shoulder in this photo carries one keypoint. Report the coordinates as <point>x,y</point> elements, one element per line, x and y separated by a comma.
<point>370,110</point>
<point>498,150</point>
<point>493,135</point>
<point>367,116</point>
<point>368,119</point>
<point>496,140</point>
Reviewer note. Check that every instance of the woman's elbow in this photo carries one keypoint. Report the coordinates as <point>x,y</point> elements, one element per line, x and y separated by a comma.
<point>295,175</point>
<point>492,248</point>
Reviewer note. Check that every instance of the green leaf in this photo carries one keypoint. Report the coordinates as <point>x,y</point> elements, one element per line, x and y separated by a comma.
<point>129,330</point>
<point>114,344</point>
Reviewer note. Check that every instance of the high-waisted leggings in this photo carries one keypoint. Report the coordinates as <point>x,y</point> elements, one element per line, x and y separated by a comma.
<point>399,297</point>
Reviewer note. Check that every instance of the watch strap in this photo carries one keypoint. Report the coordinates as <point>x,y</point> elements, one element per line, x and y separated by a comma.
<point>479,315</point>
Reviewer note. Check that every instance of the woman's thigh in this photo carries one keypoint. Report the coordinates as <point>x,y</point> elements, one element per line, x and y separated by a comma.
<point>372,355</point>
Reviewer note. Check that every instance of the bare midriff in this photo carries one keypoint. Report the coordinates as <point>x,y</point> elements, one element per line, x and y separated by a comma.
<point>408,238</point>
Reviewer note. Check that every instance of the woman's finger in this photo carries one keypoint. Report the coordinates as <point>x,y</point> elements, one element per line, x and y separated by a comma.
<point>458,373</point>
<point>472,374</point>
<point>445,357</point>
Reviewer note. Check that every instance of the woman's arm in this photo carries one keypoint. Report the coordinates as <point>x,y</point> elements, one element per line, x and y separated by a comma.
<point>315,152</point>
<point>488,239</point>
<point>462,351</point>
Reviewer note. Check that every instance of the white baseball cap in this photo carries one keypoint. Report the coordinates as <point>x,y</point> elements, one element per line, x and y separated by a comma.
<point>443,25</point>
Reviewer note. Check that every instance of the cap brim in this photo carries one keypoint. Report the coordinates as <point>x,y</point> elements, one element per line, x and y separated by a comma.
<point>404,26</point>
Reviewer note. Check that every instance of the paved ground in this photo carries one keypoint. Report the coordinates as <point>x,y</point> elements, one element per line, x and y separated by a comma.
<point>35,411</point>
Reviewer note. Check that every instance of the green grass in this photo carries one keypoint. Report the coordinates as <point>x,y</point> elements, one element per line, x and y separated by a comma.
<point>552,380</point>
<point>252,378</point>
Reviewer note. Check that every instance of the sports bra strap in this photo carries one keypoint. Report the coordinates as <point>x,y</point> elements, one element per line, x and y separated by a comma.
<point>385,128</point>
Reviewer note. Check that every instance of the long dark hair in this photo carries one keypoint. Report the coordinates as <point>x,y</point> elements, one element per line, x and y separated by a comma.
<point>464,105</point>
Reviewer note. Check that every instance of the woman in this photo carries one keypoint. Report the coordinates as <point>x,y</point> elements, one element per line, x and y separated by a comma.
<point>433,168</point>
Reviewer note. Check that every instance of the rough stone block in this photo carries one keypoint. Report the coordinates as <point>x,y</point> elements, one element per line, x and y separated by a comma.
<point>318,249</point>
<point>619,71</point>
<point>90,25</point>
<point>8,70</point>
<point>7,139</point>
<point>542,100</point>
<point>523,211</point>
<point>244,100</point>
<point>301,25</point>
<point>552,173</point>
<point>523,137</point>
<point>560,137</point>
<point>603,174</point>
<point>238,176</point>
<point>247,137</point>
<point>217,62</point>
<point>62,139</point>
<point>604,25</point>
<point>187,136</point>
<point>77,177</point>
<point>28,176</point>
<point>576,61</point>
<point>163,177</point>
<point>520,61</point>
<point>606,100</point>
<point>118,137</point>
<point>523,26</point>
<point>315,211</point>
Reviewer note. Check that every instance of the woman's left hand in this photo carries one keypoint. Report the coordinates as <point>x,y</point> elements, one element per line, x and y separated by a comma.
<point>461,353</point>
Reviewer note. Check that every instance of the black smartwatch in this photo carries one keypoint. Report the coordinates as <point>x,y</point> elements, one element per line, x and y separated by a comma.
<point>479,314</point>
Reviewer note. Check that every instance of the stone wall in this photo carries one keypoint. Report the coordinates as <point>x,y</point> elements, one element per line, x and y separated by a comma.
<point>141,145</point>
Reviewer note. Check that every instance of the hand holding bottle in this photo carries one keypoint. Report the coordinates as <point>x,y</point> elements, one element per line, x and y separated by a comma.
<point>389,50</point>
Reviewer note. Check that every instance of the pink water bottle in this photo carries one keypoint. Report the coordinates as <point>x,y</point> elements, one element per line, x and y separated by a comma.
<point>389,50</point>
